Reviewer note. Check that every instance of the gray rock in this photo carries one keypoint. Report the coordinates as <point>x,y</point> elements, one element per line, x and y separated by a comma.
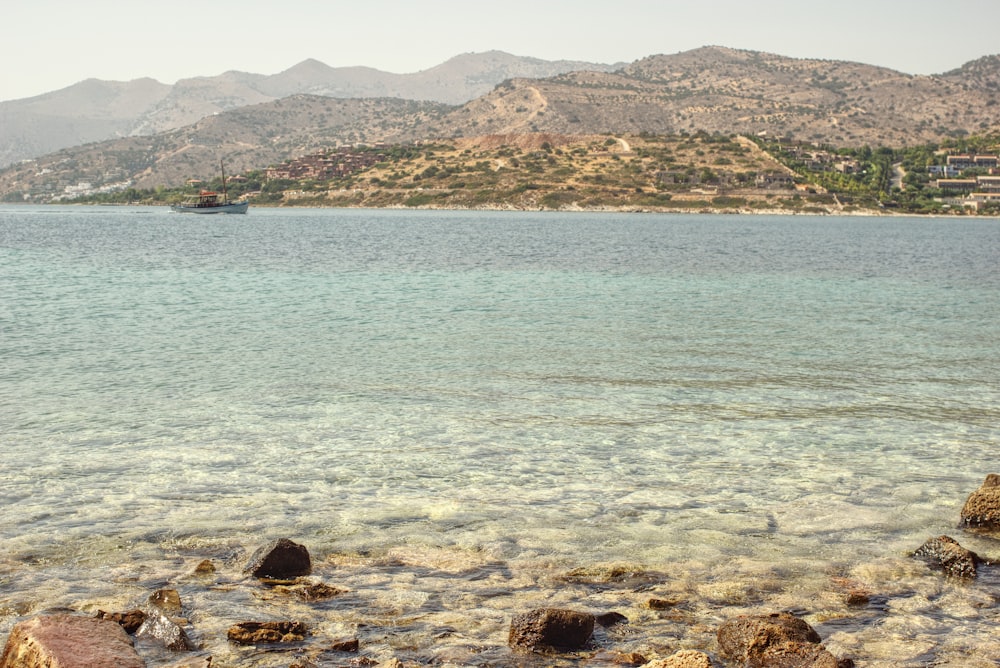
<point>163,630</point>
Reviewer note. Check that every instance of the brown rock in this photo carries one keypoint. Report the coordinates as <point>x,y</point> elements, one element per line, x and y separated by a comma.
<point>662,603</point>
<point>794,654</point>
<point>256,633</point>
<point>69,641</point>
<point>130,620</point>
<point>982,508</point>
<point>746,637</point>
<point>352,645</point>
<point>857,598</point>
<point>280,559</point>
<point>551,628</point>
<point>609,619</point>
<point>947,555</point>
<point>318,592</point>
<point>687,658</point>
<point>310,592</point>
<point>204,567</point>
<point>167,600</point>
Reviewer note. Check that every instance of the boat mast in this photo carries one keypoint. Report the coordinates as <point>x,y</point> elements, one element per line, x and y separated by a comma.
<point>225,197</point>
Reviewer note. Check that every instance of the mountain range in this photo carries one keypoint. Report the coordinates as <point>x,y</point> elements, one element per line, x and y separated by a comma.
<point>166,134</point>
<point>95,110</point>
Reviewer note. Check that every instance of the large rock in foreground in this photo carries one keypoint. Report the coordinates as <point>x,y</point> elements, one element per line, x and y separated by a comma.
<point>778,640</point>
<point>69,641</point>
<point>982,508</point>
<point>547,629</point>
<point>281,559</point>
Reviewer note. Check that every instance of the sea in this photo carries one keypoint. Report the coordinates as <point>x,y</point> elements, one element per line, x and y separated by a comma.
<point>466,415</point>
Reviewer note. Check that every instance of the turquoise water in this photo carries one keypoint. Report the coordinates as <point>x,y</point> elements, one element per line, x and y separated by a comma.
<point>763,404</point>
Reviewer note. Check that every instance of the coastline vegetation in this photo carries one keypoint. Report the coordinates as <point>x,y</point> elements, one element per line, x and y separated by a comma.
<point>685,172</point>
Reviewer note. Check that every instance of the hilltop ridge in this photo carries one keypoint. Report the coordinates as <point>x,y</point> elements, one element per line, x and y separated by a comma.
<point>95,110</point>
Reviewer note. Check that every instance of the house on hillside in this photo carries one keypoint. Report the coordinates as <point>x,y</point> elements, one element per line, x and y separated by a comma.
<point>671,177</point>
<point>946,171</point>
<point>323,166</point>
<point>774,180</point>
<point>977,200</point>
<point>847,166</point>
<point>989,184</point>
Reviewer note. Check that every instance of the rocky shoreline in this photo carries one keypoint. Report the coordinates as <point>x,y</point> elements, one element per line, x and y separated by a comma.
<point>282,573</point>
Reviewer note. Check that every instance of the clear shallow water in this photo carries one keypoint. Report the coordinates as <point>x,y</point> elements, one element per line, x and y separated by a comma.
<point>759,407</point>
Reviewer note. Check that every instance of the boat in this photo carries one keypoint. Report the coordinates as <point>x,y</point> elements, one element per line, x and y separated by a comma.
<point>209,202</point>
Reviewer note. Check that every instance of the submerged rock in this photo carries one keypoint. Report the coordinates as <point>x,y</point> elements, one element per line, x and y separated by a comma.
<point>204,567</point>
<point>310,592</point>
<point>280,559</point>
<point>551,629</point>
<point>686,658</point>
<point>256,633</point>
<point>946,554</point>
<point>777,640</point>
<point>607,657</point>
<point>982,508</point>
<point>200,661</point>
<point>352,645</point>
<point>69,641</point>
<point>662,603</point>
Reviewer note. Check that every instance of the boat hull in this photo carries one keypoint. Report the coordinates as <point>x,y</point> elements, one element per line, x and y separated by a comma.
<point>231,207</point>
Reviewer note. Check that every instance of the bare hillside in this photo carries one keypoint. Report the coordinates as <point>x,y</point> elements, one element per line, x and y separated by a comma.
<point>247,138</point>
<point>724,90</point>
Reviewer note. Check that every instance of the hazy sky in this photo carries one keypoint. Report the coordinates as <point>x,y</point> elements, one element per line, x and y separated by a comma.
<point>46,45</point>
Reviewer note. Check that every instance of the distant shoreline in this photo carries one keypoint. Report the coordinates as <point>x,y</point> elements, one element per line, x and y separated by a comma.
<point>857,213</point>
